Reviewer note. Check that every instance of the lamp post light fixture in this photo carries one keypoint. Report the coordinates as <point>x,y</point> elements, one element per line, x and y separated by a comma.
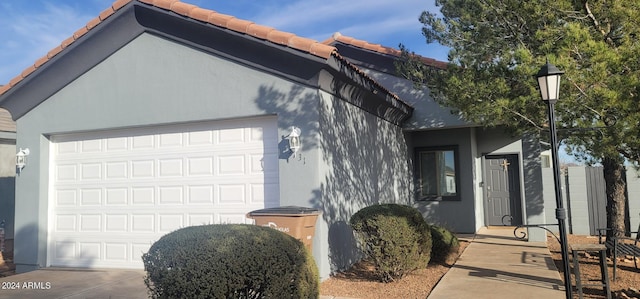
<point>549,82</point>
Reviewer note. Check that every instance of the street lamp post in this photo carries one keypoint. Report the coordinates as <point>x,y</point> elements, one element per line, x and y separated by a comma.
<point>549,82</point>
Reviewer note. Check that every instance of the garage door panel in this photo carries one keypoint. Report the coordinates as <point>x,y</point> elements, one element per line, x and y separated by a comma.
<point>89,250</point>
<point>90,223</point>
<point>116,196</point>
<point>200,194</point>
<point>125,254</point>
<point>64,250</point>
<point>65,223</point>
<point>142,195</point>
<point>90,196</point>
<point>115,170</point>
<point>116,223</point>
<point>66,172</point>
<point>115,193</point>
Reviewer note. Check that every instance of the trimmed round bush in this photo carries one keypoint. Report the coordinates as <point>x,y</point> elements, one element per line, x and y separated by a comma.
<point>230,261</point>
<point>444,243</point>
<point>395,238</point>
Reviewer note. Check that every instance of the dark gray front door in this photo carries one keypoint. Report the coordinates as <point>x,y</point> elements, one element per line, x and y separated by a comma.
<point>502,186</point>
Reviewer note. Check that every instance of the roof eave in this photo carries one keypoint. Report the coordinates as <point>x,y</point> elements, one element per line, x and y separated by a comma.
<point>382,103</point>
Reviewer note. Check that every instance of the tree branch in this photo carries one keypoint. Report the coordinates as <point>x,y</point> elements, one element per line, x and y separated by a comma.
<point>585,95</point>
<point>596,24</point>
<point>523,117</point>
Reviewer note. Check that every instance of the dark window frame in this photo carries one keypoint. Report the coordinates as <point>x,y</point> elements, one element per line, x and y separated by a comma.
<point>418,173</point>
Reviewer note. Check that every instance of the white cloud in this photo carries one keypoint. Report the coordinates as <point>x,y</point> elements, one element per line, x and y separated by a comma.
<point>335,12</point>
<point>31,34</point>
<point>378,21</point>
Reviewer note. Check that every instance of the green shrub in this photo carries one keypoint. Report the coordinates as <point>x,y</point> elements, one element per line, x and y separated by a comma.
<point>395,238</point>
<point>230,261</point>
<point>444,243</point>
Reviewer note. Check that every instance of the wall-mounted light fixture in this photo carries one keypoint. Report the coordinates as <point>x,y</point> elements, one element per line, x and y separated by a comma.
<point>21,159</point>
<point>294,140</point>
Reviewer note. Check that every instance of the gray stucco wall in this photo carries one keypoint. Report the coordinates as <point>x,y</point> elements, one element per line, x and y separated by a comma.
<point>427,113</point>
<point>363,162</point>
<point>7,185</point>
<point>458,215</point>
<point>496,141</point>
<point>154,81</point>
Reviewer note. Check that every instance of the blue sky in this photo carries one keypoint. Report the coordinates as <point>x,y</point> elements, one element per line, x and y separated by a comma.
<point>29,29</point>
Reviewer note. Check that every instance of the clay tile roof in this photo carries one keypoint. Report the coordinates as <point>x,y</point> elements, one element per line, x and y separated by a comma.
<point>286,39</point>
<point>259,31</point>
<point>4,88</point>
<point>201,14</point>
<point>379,49</point>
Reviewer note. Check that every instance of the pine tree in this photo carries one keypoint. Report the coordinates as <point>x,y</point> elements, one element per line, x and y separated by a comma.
<point>497,47</point>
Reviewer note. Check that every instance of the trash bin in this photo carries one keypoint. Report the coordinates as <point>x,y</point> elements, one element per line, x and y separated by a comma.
<point>298,222</point>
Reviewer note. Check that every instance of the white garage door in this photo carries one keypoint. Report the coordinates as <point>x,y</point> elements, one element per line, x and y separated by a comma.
<point>114,193</point>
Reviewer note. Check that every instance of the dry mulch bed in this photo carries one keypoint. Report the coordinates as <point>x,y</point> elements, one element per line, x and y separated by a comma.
<point>358,282</point>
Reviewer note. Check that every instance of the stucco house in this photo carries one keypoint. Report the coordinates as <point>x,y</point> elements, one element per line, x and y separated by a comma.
<point>498,178</point>
<point>158,115</point>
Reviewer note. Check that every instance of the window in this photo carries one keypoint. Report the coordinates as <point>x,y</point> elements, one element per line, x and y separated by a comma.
<point>437,173</point>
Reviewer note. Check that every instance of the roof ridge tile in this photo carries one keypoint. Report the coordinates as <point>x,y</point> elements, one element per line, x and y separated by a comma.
<point>80,32</point>
<point>40,61</point>
<point>259,31</point>
<point>280,37</point>
<point>106,13</point>
<point>119,4</point>
<point>93,23</point>
<point>65,43</point>
<point>54,51</point>
<point>239,25</point>
<point>301,43</point>
<point>28,71</point>
<point>166,4</point>
<point>201,14</point>
<point>4,88</point>
<point>319,49</point>
<point>182,8</point>
<point>219,19</point>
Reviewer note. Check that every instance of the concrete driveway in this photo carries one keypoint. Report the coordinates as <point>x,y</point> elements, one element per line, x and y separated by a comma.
<point>75,283</point>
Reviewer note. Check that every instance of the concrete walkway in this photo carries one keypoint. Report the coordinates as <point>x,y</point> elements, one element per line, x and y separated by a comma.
<point>71,283</point>
<point>496,265</point>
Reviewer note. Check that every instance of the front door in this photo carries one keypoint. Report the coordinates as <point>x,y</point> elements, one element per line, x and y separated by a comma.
<point>502,187</point>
